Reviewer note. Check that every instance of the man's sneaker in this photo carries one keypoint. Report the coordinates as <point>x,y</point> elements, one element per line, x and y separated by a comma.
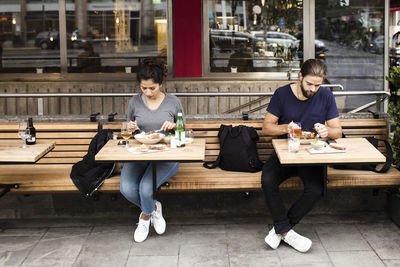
<point>142,230</point>
<point>273,239</point>
<point>157,220</point>
<point>298,242</point>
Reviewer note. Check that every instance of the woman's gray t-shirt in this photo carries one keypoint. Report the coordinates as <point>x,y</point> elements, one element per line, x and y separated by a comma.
<point>150,120</point>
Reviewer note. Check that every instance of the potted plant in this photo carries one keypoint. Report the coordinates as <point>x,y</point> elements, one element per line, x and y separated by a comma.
<point>394,112</point>
<point>394,83</point>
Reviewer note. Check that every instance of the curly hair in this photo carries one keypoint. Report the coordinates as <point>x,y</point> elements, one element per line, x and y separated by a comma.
<point>151,68</point>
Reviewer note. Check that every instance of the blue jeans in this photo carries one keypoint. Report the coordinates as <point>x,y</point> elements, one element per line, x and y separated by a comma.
<point>137,182</point>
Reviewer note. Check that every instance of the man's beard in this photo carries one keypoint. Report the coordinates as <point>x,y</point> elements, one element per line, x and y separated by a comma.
<point>306,94</point>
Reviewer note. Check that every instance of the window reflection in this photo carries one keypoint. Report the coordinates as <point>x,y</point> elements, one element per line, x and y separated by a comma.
<point>255,35</point>
<point>29,37</point>
<point>353,32</point>
<point>113,35</point>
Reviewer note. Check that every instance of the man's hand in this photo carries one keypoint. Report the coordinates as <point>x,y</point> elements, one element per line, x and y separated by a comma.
<point>321,129</point>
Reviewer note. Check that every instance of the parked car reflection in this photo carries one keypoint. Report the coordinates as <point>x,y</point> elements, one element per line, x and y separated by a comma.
<point>279,38</point>
<point>377,45</point>
<point>47,40</point>
<point>228,40</point>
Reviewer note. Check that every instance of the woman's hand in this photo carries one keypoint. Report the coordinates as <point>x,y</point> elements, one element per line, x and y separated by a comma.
<point>321,129</point>
<point>167,126</point>
<point>133,126</point>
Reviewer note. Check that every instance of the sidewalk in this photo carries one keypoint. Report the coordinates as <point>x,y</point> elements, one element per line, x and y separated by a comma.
<point>363,239</point>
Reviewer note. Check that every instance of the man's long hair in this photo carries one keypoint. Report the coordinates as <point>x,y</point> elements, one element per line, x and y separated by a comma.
<point>313,67</point>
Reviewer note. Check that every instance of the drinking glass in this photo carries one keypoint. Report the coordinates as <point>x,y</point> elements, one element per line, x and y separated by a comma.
<point>126,132</point>
<point>23,133</point>
<point>294,137</point>
<point>189,135</point>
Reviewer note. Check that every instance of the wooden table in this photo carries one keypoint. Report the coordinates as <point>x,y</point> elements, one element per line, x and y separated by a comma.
<point>191,152</point>
<point>11,152</point>
<point>358,151</point>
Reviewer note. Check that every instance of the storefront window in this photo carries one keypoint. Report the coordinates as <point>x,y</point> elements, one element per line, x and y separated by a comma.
<point>352,34</point>
<point>113,36</point>
<point>255,36</point>
<point>102,35</point>
<point>29,39</point>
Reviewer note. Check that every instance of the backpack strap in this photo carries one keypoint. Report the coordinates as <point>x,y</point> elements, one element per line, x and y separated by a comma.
<point>223,132</point>
<point>389,159</point>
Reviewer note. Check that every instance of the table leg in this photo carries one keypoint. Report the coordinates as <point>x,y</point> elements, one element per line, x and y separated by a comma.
<point>154,179</point>
<point>325,179</point>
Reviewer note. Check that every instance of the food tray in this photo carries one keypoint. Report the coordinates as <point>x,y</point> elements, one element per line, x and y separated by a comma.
<point>324,150</point>
<point>136,150</point>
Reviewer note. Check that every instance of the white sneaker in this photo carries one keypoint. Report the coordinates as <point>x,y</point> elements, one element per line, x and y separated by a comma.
<point>273,239</point>
<point>298,242</point>
<point>142,230</point>
<point>157,220</point>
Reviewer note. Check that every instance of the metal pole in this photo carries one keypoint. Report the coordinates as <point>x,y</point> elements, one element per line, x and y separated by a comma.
<point>62,36</point>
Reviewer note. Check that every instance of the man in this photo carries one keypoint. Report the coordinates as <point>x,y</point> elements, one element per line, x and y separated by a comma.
<point>241,59</point>
<point>315,107</point>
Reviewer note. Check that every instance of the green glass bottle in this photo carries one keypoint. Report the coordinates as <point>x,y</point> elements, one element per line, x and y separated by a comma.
<point>180,131</point>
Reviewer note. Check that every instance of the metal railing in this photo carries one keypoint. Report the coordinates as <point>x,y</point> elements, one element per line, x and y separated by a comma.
<point>380,96</point>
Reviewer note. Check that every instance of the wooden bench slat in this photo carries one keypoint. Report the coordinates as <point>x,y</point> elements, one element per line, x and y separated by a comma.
<point>66,154</point>
<point>354,123</point>
<point>73,147</point>
<point>365,131</point>
<point>58,160</point>
<point>70,141</point>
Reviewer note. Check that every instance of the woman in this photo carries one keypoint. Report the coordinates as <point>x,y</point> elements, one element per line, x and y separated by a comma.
<point>150,110</point>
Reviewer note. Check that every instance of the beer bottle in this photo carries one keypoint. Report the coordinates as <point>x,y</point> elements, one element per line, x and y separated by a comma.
<point>31,140</point>
<point>180,130</point>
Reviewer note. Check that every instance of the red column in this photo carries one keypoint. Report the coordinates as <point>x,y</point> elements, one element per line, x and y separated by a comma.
<point>187,38</point>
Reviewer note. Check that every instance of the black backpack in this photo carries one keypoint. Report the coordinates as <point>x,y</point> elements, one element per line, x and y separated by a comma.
<point>238,150</point>
<point>87,174</point>
<point>371,167</point>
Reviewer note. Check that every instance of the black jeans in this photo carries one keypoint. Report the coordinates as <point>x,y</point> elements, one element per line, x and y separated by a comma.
<point>273,174</point>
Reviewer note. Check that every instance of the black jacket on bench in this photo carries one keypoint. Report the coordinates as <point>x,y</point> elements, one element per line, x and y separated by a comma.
<point>87,174</point>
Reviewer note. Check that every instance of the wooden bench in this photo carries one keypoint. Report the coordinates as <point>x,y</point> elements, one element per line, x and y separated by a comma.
<point>51,173</point>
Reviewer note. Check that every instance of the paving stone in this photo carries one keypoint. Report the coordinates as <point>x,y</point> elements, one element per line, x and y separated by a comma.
<point>355,258</point>
<point>59,245</point>
<point>392,263</point>
<point>213,254</point>
<point>317,264</point>
<point>384,238</point>
<point>153,261</point>
<point>106,246</point>
<point>14,249</point>
<point>48,222</point>
<point>207,261</point>
<point>341,237</point>
<point>203,228</point>
<point>249,228</point>
<point>203,238</point>
<point>159,245</point>
<point>248,238</point>
<point>249,243</point>
<point>315,256</point>
<point>24,232</point>
<point>268,259</point>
